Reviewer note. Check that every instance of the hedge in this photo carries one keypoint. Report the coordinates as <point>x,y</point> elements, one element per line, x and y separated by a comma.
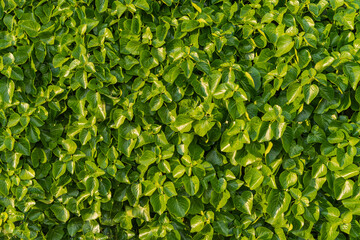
<point>179,119</point>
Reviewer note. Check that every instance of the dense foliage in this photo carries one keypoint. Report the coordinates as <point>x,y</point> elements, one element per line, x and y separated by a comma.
<point>179,119</point>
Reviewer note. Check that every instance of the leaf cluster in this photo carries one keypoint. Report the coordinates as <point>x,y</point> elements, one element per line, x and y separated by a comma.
<point>179,119</point>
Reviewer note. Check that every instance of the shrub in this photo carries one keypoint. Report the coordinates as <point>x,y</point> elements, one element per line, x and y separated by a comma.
<point>179,119</point>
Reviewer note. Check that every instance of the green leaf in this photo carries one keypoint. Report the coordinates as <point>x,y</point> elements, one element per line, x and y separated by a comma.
<point>33,134</point>
<point>336,3</point>
<point>27,173</point>
<point>197,223</point>
<point>142,4</point>
<point>156,103</point>
<point>23,146</point>
<point>7,91</point>
<point>304,58</point>
<point>81,77</point>
<point>178,206</point>
<point>40,51</point>
<point>244,202</point>
<point>55,233</point>
<point>352,71</point>
<point>324,63</point>
<point>219,185</point>
<point>178,171</point>
<point>189,25</point>
<point>348,172</point>
<point>31,27</point>
<point>343,188</point>
<point>161,33</point>
<point>74,225</point>
<point>295,150</point>
<point>202,127</point>
<point>336,137</point>
<point>187,66</point>
<point>136,190</point>
<point>92,185</point>
<point>101,5</point>
<point>69,145</point>
<point>318,170</point>
<point>284,44</point>
<point>287,179</point>
<point>135,25</point>
<point>171,73</point>
<point>191,184</point>
<point>317,135</point>
<point>310,92</point>
<point>58,169</point>
<point>60,212</point>
<point>169,189</point>
<point>279,202</point>
<point>4,187</point>
<point>147,158</point>
<point>253,178</point>
<point>59,60</point>
<point>357,95</point>
<point>20,192</point>
<point>158,202</point>
<point>293,92</point>
<point>183,123</point>
<point>13,120</point>
<point>17,74</point>
<point>167,2</point>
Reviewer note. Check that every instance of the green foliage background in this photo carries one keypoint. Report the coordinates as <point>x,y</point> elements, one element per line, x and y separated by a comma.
<point>179,119</point>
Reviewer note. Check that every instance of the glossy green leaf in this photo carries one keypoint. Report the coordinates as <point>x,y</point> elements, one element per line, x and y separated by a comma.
<point>244,202</point>
<point>58,169</point>
<point>284,44</point>
<point>343,188</point>
<point>23,146</point>
<point>310,92</point>
<point>183,123</point>
<point>178,206</point>
<point>287,179</point>
<point>74,225</point>
<point>101,5</point>
<point>253,178</point>
<point>197,223</point>
<point>31,27</point>
<point>147,158</point>
<point>352,71</point>
<point>60,212</point>
<point>278,203</point>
